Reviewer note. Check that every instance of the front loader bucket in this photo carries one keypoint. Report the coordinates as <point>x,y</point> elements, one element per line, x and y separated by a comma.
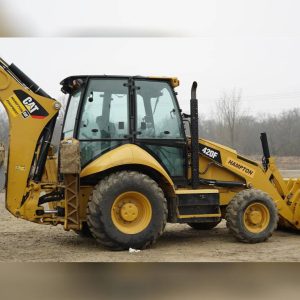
<point>2,167</point>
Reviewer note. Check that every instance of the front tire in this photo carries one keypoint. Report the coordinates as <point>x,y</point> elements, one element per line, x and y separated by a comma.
<point>126,210</point>
<point>251,216</point>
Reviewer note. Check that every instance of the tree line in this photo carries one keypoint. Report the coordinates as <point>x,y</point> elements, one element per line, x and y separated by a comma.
<point>234,127</point>
<point>283,133</point>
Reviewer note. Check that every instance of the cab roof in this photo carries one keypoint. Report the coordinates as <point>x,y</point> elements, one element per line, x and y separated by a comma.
<point>69,83</point>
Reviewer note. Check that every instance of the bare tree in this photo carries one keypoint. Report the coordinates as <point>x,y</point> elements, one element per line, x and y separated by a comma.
<point>229,112</point>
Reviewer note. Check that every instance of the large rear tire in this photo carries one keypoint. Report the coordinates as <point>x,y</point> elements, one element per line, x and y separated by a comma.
<point>126,210</point>
<point>251,216</point>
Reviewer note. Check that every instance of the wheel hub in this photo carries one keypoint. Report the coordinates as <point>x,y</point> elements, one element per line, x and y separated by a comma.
<point>129,212</point>
<point>255,217</point>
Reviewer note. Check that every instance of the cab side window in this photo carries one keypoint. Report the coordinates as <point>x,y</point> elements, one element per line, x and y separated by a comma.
<point>157,114</point>
<point>69,125</point>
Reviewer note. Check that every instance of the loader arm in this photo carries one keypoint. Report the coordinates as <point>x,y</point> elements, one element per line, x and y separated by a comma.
<point>32,116</point>
<point>230,166</point>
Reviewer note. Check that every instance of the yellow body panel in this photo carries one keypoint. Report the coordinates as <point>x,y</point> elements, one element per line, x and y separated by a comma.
<point>50,172</point>
<point>127,154</point>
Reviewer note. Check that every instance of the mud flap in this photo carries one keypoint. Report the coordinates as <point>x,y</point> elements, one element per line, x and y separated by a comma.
<point>2,167</point>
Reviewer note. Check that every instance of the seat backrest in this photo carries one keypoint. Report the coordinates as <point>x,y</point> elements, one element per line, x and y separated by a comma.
<point>107,129</point>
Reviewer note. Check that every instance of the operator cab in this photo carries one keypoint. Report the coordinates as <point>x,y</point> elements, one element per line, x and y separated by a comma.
<point>105,112</point>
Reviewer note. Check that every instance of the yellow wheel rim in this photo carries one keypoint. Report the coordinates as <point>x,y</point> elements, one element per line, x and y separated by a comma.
<point>256,217</point>
<point>131,212</point>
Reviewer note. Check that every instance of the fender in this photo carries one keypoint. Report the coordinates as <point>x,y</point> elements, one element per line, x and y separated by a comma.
<point>124,155</point>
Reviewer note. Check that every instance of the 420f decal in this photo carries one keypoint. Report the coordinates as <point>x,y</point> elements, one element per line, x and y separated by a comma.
<point>210,153</point>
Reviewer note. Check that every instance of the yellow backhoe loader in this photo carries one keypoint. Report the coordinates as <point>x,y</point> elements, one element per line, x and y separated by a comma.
<point>125,166</point>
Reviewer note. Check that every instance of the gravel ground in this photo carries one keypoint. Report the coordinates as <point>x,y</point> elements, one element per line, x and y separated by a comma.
<point>23,241</point>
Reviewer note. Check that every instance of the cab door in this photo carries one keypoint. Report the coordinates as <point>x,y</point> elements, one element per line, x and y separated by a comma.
<point>98,117</point>
<point>159,129</point>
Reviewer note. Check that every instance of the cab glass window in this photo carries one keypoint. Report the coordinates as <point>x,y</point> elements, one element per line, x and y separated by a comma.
<point>105,110</point>
<point>103,124</point>
<point>69,125</point>
<point>158,116</point>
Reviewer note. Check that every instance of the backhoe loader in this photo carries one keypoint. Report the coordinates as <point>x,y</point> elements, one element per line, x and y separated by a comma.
<point>125,166</point>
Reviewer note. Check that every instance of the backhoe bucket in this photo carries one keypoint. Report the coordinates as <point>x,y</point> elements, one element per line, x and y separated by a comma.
<point>2,167</point>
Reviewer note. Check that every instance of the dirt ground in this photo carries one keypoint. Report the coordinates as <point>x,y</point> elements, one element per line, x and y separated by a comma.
<point>23,241</point>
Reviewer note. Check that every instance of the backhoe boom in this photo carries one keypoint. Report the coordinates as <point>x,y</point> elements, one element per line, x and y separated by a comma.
<point>32,115</point>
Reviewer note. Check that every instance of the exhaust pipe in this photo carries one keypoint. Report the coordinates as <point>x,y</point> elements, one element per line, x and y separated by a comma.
<point>266,150</point>
<point>194,137</point>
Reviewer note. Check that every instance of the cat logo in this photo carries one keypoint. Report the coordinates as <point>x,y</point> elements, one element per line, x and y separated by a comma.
<point>30,104</point>
<point>33,108</point>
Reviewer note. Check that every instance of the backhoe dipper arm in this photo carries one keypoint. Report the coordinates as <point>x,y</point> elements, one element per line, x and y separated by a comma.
<point>32,115</point>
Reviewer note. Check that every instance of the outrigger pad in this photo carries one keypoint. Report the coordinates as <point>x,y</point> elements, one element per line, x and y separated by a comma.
<point>2,167</point>
<point>70,156</point>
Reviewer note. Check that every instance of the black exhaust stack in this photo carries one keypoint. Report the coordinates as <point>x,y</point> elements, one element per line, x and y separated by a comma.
<point>194,137</point>
<point>266,150</point>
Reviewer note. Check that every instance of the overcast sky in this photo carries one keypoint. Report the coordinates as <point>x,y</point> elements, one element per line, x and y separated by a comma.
<point>251,45</point>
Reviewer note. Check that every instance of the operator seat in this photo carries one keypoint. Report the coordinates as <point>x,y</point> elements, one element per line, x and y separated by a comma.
<point>107,129</point>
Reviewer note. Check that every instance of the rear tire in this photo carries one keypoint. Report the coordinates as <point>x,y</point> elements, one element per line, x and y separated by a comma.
<point>126,210</point>
<point>204,226</point>
<point>251,216</point>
